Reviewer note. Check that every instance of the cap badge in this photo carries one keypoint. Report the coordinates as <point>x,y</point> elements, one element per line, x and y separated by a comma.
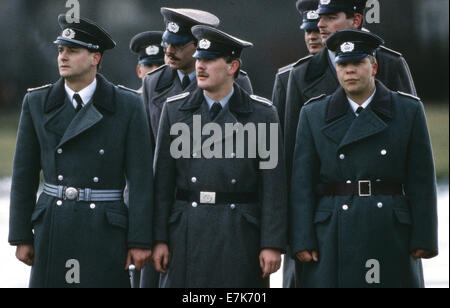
<point>312,15</point>
<point>325,2</point>
<point>173,27</point>
<point>204,44</point>
<point>68,33</point>
<point>152,50</point>
<point>347,47</point>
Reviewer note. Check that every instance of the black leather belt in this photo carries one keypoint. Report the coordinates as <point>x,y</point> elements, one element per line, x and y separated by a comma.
<point>205,197</point>
<point>364,188</point>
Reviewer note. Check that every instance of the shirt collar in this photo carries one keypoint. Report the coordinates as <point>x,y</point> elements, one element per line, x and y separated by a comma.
<point>85,94</point>
<point>355,106</point>
<point>224,101</point>
<point>181,76</point>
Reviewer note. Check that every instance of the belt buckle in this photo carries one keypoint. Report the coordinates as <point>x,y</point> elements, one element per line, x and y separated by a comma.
<point>71,193</point>
<point>207,197</point>
<point>368,189</point>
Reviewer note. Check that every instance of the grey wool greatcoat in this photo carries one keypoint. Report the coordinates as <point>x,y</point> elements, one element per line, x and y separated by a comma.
<point>388,142</point>
<point>163,83</point>
<point>218,245</point>
<point>314,76</point>
<point>106,143</point>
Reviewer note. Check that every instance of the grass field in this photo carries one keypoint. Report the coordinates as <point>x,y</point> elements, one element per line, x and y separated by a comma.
<point>438,122</point>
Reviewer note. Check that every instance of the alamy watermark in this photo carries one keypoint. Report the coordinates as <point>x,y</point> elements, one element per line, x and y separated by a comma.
<point>262,141</point>
<point>73,274</point>
<point>73,15</point>
<point>373,274</point>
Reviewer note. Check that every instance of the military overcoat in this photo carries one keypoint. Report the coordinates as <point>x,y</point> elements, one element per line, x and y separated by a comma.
<point>101,147</point>
<point>218,245</point>
<point>388,142</point>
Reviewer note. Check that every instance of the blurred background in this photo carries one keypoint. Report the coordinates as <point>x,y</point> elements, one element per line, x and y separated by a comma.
<point>418,29</point>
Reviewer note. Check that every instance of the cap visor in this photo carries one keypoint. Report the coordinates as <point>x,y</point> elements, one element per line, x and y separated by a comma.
<point>310,26</point>
<point>204,54</point>
<point>328,10</point>
<point>350,58</point>
<point>151,61</point>
<point>176,39</point>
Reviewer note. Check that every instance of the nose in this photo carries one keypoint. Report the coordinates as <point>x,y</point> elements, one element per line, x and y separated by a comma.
<point>170,48</point>
<point>321,23</point>
<point>200,63</point>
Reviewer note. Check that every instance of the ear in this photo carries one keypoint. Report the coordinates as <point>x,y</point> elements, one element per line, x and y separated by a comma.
<point>374,69</point>
<point>138,71</point>
<point>357,21</point>
<point>233,67</point>
<point>97,57</point>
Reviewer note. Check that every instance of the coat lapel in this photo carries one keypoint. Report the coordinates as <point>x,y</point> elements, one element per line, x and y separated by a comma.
<point>344,128</point>
<point>91,114</point>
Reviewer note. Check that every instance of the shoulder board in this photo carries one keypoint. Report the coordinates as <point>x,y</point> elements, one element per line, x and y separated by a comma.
<point>243,72</point>
<point>178,97</point>
<point>285,69</point>
<point>315,99</point>
<point>127,89</point>
<point>302,60</point>
<point>157,70</point>
<point>262,100</point>
<point>39,88</point>
<point>408,95</point>
<point>396,53</point>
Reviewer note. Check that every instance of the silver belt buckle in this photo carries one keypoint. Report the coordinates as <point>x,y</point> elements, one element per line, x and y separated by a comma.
<point>367,192</point>
<point>71,193</point>
<point>207,197</point>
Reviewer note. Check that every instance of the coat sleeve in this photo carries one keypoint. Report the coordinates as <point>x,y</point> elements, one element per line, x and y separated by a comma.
<point>305,177</point>
<point>139,173</point>
<point>279,98</point>
<point>294,103</point>
<point>421,187</point>
<point>274,191</point>
<point>25,179</point>
<point>165,178</point>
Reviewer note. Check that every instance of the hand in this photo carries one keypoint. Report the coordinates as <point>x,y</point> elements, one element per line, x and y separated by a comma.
<point>161,257</point>
<point>25,253</point>
<point>422,254</point>
<point>308,256</point>
<point>269,261</point>
<point>138,257</point>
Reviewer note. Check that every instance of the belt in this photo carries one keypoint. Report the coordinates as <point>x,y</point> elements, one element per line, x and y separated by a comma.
<point>204,197</point>
<point>364,188</point>
<point>82,194</point>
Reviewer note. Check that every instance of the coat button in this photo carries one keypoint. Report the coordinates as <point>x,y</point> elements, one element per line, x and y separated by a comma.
<point>194,204</point>
<point>233,181</point>
<point>60,177</point>
<point>194,155</point>
<point>232,206</point>
<point>92,206</point>
<point>380,205</point>
<point>102,152</point>
<point>95,180</point>
<point>59,151</point>
<point>194,180</point>
<point>349,182</point>
<point>383,152</point>
<point>342,157</point>
<point>345,207</point>
<point>233,155</point>
<point>59,203</point>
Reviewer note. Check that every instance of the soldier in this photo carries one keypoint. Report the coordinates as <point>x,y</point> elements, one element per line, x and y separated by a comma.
<point>307,8</point>
<point>223,220</point>
<point>364,200</point>
<point>87,136</point>
<point>316,75</point>
<point>179,74</point>
<point>147,45</point>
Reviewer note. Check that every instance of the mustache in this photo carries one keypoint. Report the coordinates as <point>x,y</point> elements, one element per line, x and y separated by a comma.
<point>172,56</point>
<point>202,74</point>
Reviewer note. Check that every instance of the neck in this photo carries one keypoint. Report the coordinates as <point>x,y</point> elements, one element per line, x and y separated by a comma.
<point>221,93</point>
<point>362,96</point>
<point>80,82</point>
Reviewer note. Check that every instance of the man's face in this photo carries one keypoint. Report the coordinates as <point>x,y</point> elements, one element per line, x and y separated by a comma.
<point>313,41</point>
<point>357,77</point>
<point>142,70</point>
<point>75,62</point>
<point>212,74</point>
<point>179,57</point>
<point>330,23</point>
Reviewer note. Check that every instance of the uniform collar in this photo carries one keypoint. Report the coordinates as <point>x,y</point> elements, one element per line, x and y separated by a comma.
<point>381,103</point>
<point>223,101</point>
<point>85,94</point>
<point>181,75</point>
<point>364,105</point>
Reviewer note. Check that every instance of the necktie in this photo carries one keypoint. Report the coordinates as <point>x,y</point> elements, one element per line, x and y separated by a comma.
<point>186,82</point>
<point>215,109</point>
<point>359,110</point>
<point>79,101</point>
